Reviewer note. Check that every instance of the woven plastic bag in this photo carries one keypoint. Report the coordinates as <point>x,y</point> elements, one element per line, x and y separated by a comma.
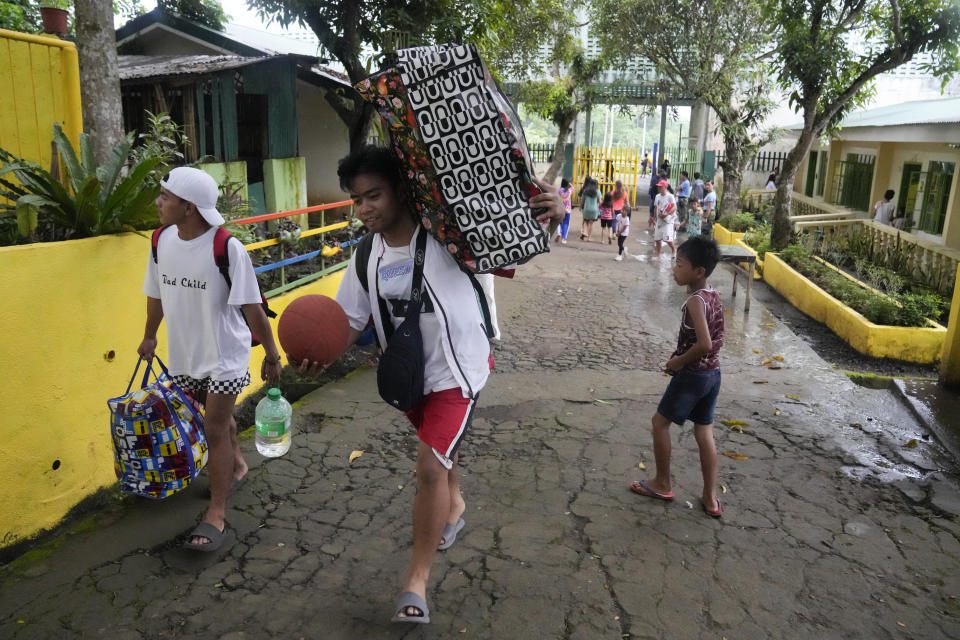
<point>464,153</point>
<point>157,431</point>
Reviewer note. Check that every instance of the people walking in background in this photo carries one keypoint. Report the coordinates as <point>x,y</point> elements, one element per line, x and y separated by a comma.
<point>606,218</point>
<point>883,210</point>
<point>773,180</point>
<point>695,367</point>
<point>566,195</point>
<point>683,195</point>
<point>697,187</point>
<point>666,206</point>
<point>589,207</point>
<point>619,202</point>
<point>694,218</point>
<point>645,164</point>
<point>709,209</point>
<point>665,168</point>
<point>623,230</point>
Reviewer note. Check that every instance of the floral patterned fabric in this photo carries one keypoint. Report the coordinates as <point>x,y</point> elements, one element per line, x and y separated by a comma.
<point>465,156</point>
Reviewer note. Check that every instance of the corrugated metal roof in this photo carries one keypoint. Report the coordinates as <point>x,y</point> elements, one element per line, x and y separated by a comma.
<point>936,111</point>
<point>141,67</point>
<point>133,67</point>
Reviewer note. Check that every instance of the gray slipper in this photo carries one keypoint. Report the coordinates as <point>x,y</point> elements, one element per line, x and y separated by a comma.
<point>450,532</point>
<point>410,599</point>
<point>208,531</point>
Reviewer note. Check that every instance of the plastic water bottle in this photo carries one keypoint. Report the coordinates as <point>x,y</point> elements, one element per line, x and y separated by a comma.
<point>273,424</point>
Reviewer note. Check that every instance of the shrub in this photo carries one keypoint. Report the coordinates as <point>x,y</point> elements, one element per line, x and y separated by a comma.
<point>904,310</point>
<point>738,222</point>
<point>759,240</point>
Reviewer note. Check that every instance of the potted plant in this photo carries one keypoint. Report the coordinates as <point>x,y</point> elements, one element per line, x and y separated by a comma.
<point>53,14</point>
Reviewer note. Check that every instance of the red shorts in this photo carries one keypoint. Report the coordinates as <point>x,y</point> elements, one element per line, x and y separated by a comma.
<point>442,420</point>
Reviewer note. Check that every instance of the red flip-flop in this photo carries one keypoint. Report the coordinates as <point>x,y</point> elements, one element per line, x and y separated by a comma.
<point>711,512</point>
<point>641,488</point>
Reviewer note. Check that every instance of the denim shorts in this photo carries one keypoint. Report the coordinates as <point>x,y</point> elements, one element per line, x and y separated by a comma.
<point>691,395</point>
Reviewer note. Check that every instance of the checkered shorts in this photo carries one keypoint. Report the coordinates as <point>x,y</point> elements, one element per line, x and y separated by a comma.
<point>226,387</point>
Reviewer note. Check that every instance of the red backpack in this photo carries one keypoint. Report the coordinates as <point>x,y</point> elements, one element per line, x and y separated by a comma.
<point>222,259</point>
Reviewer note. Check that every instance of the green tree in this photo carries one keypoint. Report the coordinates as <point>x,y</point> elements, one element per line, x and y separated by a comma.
<point>539,41</point>
<point>830,51</point>
<point>206,12</point>
<point>20,15</point>
<point>349,29</point>
<point>713,50</point>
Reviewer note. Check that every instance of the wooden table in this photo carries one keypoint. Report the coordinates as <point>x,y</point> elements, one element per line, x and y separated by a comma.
<point>735,256</point>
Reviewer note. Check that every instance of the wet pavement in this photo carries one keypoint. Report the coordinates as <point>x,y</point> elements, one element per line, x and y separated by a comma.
<point>839,508</point>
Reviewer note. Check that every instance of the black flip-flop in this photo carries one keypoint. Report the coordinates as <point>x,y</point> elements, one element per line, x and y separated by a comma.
<point>208,531</point>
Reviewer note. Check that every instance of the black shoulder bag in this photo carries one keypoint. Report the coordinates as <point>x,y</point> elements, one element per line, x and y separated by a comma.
<point>401,369</point>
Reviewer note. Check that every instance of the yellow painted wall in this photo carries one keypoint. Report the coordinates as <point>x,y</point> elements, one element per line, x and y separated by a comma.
<point>65,305</point>
<point>724,236</point>
<point>39,85</point>
<point>903,343</point>
<point>950,364</point>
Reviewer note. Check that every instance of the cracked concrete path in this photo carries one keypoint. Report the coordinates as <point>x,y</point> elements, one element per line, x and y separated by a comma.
<point>832,528</point>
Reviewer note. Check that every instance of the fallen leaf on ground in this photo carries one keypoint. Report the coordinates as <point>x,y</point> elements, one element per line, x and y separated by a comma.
<point>355,454</point>
<point>642,466</point>
<point>770,324</point>
<point>759,382</point>
<point>734,423</point>
<point>756,350</point>
<point>774,367</point>
<point>665,374</point>
<point>689,505</point>
<point>723,488</point>
<point>590,390</point>
<point>901,624</point>
<point>599,401</point>
<point>776,411</point>
<point>569,413</point>
<point>735,455</point>
<point>400,486</point>
<point>779,358</point>
<point>856,425</point>
<point>912,444</point>
<point>464,630</point>
<point>765,362</point>
<point>793,397</point>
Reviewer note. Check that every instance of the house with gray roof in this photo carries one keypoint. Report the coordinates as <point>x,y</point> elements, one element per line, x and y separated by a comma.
<point>910,147</point>
<point>258,105</point>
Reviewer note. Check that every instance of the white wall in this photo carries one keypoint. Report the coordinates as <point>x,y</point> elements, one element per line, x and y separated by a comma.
<point>324,139</point>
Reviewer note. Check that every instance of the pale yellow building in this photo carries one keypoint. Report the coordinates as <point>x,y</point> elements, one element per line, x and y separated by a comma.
<point>912,148</point>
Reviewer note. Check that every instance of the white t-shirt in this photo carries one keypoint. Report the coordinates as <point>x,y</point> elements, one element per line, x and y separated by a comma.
<point>884,212</point>
<point>395,281</point>
<point>663,201</point>
<point>206,332</point>
<point>623,225</point>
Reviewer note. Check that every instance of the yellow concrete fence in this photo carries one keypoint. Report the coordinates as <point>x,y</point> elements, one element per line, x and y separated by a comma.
<point>913,344</point>
<point>72,318</point>
<point>39,85</point>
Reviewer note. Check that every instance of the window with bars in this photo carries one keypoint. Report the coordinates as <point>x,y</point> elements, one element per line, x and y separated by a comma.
<point>936,193</point>
<point>852,179</point>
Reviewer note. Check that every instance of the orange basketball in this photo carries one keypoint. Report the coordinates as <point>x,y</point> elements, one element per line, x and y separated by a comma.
<point>315,328</point>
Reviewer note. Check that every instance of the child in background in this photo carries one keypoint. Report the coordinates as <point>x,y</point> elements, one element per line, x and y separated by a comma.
<point>566,193</point>
<point>606,218</point>
<point>695,367</point>
<point>619,202</point>
<point>623,230</point>
<point>666,210</point>
<point>589,201</point>
<point>694,219</point>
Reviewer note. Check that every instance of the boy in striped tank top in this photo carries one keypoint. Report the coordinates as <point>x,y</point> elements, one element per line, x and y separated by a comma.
<point>695,367</point>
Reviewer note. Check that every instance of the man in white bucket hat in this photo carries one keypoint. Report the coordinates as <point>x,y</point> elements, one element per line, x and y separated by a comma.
<point>208,340</point>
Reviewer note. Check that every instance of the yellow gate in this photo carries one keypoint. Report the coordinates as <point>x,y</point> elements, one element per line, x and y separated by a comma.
<point>607,165</point>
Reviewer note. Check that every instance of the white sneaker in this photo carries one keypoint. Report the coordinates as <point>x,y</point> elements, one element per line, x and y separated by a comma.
<point>619,257</point>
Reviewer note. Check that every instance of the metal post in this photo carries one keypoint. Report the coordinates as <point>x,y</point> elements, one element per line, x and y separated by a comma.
<point>663,134</point>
